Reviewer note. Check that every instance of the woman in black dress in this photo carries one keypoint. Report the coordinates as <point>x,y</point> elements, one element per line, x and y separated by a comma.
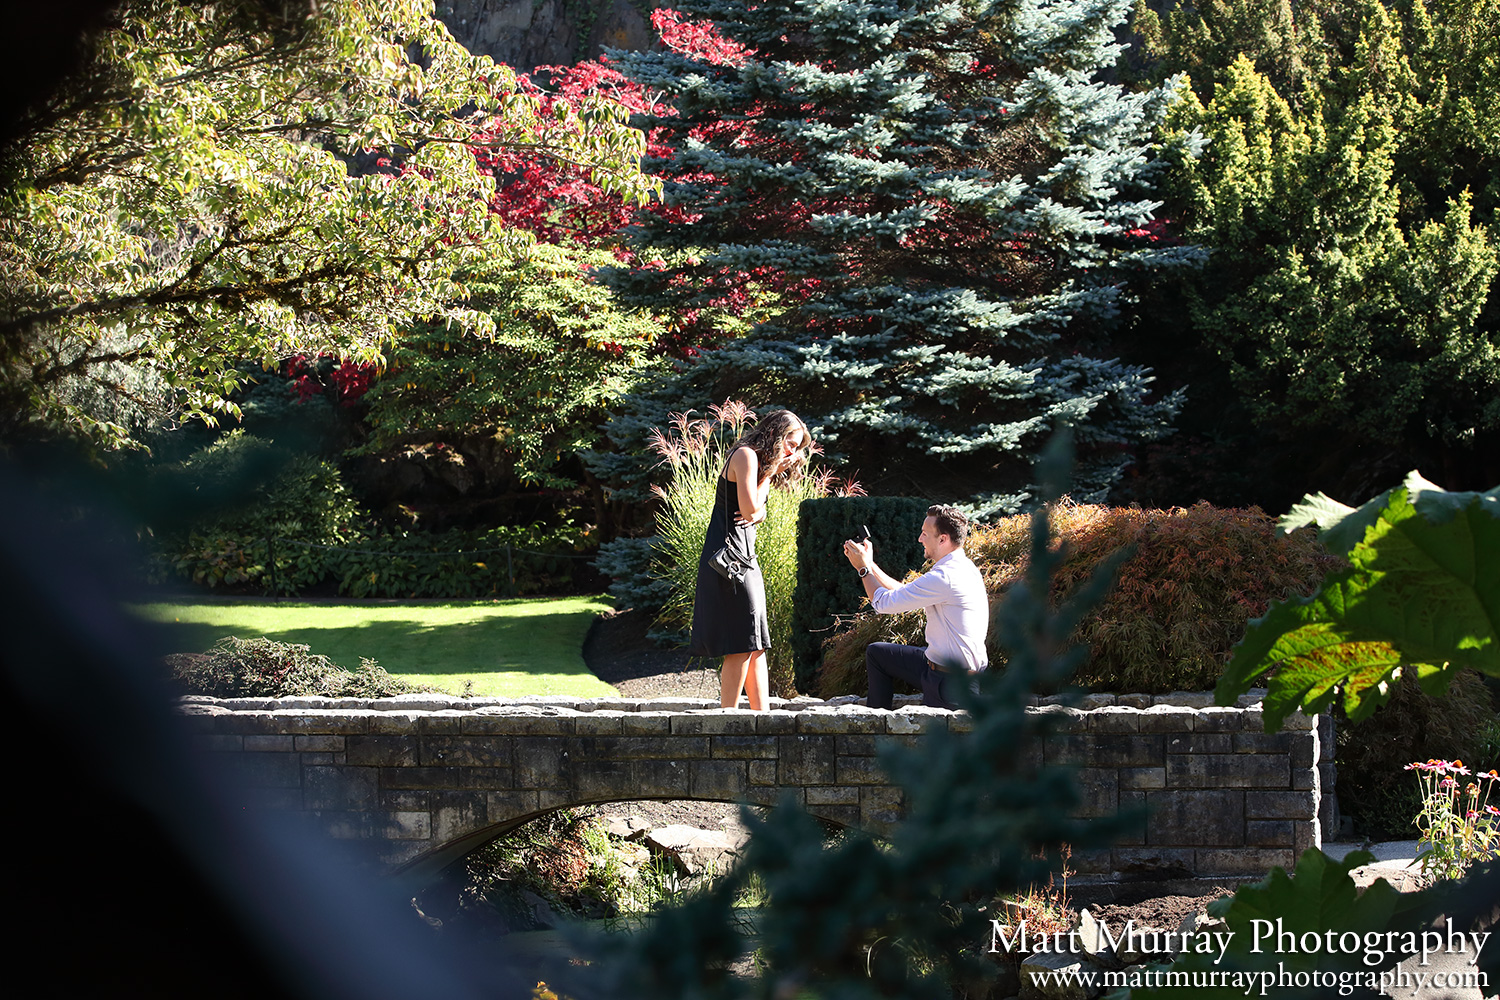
<point>729,619</point>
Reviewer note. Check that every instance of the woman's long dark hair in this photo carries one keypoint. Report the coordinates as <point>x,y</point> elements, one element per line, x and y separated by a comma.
<point>765,440</point>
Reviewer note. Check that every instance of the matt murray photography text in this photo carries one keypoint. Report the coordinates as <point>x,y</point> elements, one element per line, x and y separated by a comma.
<point>1373,947</point>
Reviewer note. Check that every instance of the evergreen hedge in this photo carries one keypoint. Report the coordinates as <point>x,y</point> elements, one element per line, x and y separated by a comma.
<point>827,588</point>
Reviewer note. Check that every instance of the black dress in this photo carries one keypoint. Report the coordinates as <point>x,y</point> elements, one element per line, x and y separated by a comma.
<point>729,617</point>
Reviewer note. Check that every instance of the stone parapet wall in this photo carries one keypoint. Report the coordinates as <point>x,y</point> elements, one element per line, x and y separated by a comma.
<point>424,778</point>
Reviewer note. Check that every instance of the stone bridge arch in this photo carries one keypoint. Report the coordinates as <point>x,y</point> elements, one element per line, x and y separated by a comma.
<point>419,780</point>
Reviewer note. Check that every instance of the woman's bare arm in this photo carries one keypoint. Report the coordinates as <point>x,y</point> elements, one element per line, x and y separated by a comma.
<point>743,471</point>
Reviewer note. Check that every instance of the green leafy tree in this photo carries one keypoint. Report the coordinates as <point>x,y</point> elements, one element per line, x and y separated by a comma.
<point>929,212</point>
<point>225,182</point>
<point>1348,196</point>
<point>521,399</point>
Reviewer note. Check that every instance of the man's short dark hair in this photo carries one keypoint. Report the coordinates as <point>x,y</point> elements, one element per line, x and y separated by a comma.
<point>950,521</point>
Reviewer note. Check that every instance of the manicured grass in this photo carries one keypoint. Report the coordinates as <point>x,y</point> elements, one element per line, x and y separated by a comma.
<point>507,648</point>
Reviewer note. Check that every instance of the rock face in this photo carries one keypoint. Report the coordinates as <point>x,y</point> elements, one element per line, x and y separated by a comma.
<point>525,34</point>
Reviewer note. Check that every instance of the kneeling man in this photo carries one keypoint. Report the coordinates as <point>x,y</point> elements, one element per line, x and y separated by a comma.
<point>951,594</point>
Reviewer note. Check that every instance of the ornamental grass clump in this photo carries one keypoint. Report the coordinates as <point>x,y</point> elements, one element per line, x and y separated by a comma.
<point>1182,599</point>
<point>1458,824</point>
<point>696,451</point>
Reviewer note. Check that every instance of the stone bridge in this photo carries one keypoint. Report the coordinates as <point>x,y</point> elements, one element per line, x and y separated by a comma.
<point>423,779</point>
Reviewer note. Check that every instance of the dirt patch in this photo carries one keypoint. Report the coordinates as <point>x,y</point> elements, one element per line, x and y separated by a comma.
<point>1161,913</point>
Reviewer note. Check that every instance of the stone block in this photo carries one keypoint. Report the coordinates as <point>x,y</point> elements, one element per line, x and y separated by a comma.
<point>716,722</point>
<point>541,725</point>
<point>1305,779</point>
<point>724,780</point>
<point>644,747</point>
<point>805,760</point>
<point>1168,719</point>
<point>861,745</point>
<point>1200,743</point>
<point>403,825</point>
<point>394,723</point>
<point>646,724</point>
<point>1244,861</point>
<point>542,763</point>
<point>855,719</point>
<point>1141,701</point>
<point>1151,863</point>
<point>1303,750</point>
<point>960,722</point>
<point>1306,836</point>
<point>599,724</point>
<point>776,723</point>
<point>668,706</point>
<point>484,778</point>
<point>441,724</point>
<point>1214,719</point>
<point>880,806</point>
<point>762,772</point>
<point>1098,791</point>
<point>1268,833</point>
<point>382,751</point>
<point>508,805</point>
<point>248,723</point>
<point>1185,699</point>
<point>860,771</point>
<point>1280,743</point>
<point>1105,749</point>
<point>1133,813</point>
<point>466,751</point>
<point>741,747</point>
<point>1298,721</point>
<point>1113,720</point>
<point>456,814</point>
<point>1281,805</point>
<point>1142,778</point>
<point>1212,818</point>
<point>405,799</point>
<point>261,770</point>
<point>832,795</point>
<point>842,815</point>
<point>1097,861</point>
<point>659,778</point>
<point>1227,770</point>
<point>309,759</point>
<point>325,721</point>
<point>420,777</point>
<point>342,825</point>
<point>600,781</point>
<point>331,744</point>
<point>266,743</point>
<point>224,742</point>
<point>343,788</point>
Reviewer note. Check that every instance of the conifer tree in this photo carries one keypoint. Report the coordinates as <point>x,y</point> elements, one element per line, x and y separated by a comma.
<point>926,211</point>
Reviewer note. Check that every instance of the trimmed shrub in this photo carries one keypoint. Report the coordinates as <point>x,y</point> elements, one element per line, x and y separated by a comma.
<point>265,668</point>
<point>827,588</point>
<point>1179,604</point>
<point>1373,788</point>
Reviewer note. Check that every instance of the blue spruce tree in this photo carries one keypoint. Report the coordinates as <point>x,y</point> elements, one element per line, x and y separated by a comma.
<point>911,221</point>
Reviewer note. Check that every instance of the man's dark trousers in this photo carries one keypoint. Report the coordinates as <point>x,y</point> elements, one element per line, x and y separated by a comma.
<point>887,660</point>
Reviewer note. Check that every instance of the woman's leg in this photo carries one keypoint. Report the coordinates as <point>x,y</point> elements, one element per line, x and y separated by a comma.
<point>732,678</point>
<point>757,687</point>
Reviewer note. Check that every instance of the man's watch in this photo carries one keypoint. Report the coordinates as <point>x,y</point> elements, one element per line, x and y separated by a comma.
<point>864,571</point>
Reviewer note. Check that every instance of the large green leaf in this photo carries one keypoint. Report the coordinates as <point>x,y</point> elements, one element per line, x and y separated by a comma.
<point>1422,591</point>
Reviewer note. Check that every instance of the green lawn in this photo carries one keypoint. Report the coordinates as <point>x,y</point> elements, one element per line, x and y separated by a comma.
<point>507,648</point>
